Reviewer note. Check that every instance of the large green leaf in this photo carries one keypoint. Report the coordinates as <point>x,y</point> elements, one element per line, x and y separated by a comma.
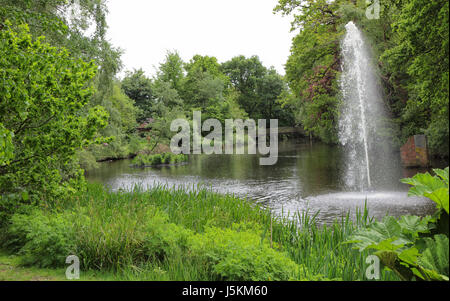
<point>432,187</point>
<point>436,255</point>
<point>443,174</point>
<point>390,234</point>
<point>413,225</point>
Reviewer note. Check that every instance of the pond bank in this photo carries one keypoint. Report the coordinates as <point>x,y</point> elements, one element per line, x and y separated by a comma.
<point>167,234</point>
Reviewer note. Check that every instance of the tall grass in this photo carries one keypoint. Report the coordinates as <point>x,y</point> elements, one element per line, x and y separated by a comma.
<point>113,233</point>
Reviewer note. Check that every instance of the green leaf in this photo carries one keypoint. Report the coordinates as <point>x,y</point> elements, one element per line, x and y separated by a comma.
<point>436,256</point>
<point>409,256</point>
<point>414,225</point>
<point>442,173</point>
<point>440,197</point>
<point>387,235</point>
<point>432,187</point>
<point>25,196</point>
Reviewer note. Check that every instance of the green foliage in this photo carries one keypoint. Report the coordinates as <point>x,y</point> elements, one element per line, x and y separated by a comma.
<point>432,187</point>
<point>409,42</point>
<point>258,89</point>
<point>6,146</point>
<point>122,121</point>
<point>397,244</point>
<point>165,239</point>
<point>185,234</point>
<point>435,257</point>
<point>139,88</point>
<point>116,237</point>
<point>44,96</point>
<point>313,66</point>
<point>44,240</point>
<point>239,255</point>
<point>391,234</point>
<point>404,245</point>
<point>157,159</point>
<point>171,71</point>
<point>418,63</point>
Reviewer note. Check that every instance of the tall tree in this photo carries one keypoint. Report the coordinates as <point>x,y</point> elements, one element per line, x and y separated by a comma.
<point>137,86</point>
<point>43,94</point>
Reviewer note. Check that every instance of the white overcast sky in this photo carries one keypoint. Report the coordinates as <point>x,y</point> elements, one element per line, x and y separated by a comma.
<point>146,29</point>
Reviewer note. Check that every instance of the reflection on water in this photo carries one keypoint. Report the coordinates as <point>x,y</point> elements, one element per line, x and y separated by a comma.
<point>306,177</point>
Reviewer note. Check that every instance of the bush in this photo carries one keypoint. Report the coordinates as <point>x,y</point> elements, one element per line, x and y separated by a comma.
<point>44,239</point>
<point>165,158</point>
<point>156,159</point>
<point>41,81</point>
<point>240,254</point>
<point>164,239</point>
<point>410,246</point>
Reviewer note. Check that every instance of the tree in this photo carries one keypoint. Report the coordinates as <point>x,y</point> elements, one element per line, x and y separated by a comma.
<point>314,63</point>
<point>44,94</point>
<point>259,89</point>
<point>418,64</point>
<point>410,44</point>
<point>138,87</point>
<point>171,70</point>
<point>69,24</point>
<point>205,87</point>
<point>269,89</point>
<point>244,75</point>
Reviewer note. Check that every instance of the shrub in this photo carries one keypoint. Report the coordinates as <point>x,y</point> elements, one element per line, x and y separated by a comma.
<point>165,239</point>
<point>44,239</point>
<point>410,246</point>
<point>240,254</point>
<point>167,158</point>
<point>157,159</point>
<point>44,102</point>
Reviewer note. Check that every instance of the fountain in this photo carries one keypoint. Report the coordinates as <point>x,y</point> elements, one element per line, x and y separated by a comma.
<point>372,168</point>
<point>370,159</point>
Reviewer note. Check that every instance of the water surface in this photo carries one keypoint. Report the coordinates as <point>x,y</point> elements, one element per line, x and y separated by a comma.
<point>307,176</point>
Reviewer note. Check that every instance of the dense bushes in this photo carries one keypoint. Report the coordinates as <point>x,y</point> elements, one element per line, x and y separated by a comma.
<point>114,233</point>
<point>175,234</point>
<point>172,235</point>
<point>241,254</point>
<point>45,239</point>
<point>44,114</point>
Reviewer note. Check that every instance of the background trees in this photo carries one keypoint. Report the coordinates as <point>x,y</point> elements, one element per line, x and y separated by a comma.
<point>410,46</point>
<point>259,89</point>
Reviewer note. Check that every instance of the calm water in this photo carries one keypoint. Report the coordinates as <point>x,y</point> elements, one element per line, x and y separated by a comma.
<point>306,177</point>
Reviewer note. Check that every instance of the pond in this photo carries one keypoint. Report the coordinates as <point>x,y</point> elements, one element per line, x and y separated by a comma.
<point>307,176</point>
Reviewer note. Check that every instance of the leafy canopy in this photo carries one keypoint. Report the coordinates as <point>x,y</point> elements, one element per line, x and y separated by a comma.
<point>43,95</point>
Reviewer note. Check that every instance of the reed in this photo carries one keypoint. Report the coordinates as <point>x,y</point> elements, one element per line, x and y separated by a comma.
<point>113,233</point>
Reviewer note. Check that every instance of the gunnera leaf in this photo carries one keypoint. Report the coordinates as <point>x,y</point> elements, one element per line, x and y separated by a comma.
<point>436,255</point>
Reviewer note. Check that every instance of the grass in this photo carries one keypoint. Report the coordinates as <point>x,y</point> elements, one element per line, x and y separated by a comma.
<point>11,269</point>
<point>147,235</point>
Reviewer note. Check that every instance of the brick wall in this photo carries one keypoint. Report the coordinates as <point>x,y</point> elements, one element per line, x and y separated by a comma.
<point>414,152</point>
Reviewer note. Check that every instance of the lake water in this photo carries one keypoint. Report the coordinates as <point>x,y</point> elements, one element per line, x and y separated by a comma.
<point>307,176</point>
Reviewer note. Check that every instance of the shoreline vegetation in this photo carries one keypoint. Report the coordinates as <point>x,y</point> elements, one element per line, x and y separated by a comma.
<point>176,234</point>
<point>181,234</point>
<point>163,159</point>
